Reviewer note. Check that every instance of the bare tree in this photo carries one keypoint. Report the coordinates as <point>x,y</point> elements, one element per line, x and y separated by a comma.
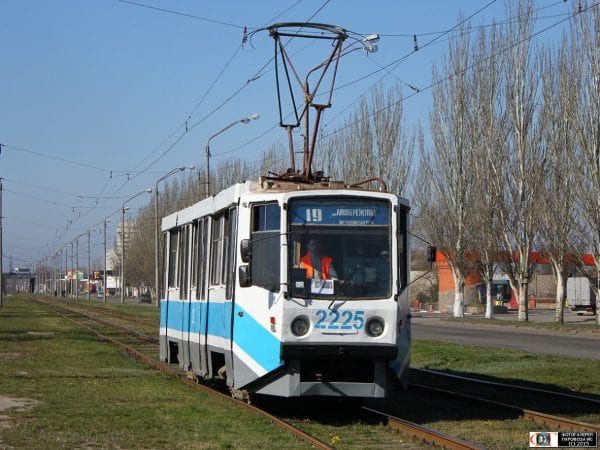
<point>272,161</point>
<point>517,183</point>
<point>356,146</point>
<point>558,112</point>
<point>394,142</point>
<point>586,37</point>
<point>488,134</point>
<point>448,172</point>
<point>373,142</point>
<point>139,251</point>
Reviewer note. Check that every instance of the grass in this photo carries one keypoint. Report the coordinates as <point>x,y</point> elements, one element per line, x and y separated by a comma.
<point>579,375</point>
<point>571,328</point>
<point>90,396</point>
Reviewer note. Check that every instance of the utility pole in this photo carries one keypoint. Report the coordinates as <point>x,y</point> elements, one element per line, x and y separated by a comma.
<point>66,269</point>
<point>77,268</point>
<point>245,120</point>
<point>1,250</point>
<point>123,209</point>
<point>104,274</point>
<point>89,280</point>
<point>72,263</point>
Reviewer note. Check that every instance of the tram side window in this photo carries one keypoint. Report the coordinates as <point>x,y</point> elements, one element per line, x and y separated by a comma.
<point>183,262</point>
<point>173,247</point>
<point>265,238</point>
<point>199,259</point>
<point>193,259</point>
<point>224,252</point>
<point>229,251</point>
<point>222,255</point>
<point>216,250</point>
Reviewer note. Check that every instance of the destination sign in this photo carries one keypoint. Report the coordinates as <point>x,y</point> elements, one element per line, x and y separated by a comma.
<point>340,214</point>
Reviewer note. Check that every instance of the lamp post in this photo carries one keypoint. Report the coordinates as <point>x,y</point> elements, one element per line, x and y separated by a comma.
<point>89,264</point>
<point>104,273</point>
<point>207,149</point>
<point>76,268</point>
<point>66,268</point>
<point>157,231</point>
<point>1,250</point>
<point>123,241</point>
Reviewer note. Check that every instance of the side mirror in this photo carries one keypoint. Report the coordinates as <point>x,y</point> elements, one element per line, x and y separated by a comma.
<point>246,250</point>
<point>431,253</point>
<point>245,276</point>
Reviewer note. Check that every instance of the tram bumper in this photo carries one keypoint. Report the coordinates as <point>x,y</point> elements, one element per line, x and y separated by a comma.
<point>333,370</point>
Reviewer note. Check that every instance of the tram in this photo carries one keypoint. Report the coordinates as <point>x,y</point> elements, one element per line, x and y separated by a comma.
<point>244,298</point>
<point>293,285</point>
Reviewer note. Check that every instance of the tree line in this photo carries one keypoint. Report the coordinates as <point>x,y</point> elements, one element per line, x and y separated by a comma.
<point>512,165</point>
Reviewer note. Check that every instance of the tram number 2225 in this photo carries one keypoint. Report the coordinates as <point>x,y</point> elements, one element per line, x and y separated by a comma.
<point>333,320</point>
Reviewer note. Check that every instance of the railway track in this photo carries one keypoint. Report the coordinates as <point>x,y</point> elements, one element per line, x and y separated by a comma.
<point>357,430</point>
<point>425,434</point>
<point>140,346</point>
<point>105,310</point>
<point>573,402</point>
<point>123,339</point>
<point>555,395</point>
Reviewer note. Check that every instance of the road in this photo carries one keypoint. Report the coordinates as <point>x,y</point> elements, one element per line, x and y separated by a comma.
<point>427,326</point>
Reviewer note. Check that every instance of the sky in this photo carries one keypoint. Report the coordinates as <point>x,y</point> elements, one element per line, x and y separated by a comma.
<point>101,98</point>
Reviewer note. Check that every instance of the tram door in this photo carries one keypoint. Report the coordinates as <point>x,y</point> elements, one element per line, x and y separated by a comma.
<point>183,264</point>
<point>174,313</point>
<point>220,292</point>
<point>198,298</point>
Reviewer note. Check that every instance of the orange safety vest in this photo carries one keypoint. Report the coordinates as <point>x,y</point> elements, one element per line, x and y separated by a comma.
<point>305,263</point>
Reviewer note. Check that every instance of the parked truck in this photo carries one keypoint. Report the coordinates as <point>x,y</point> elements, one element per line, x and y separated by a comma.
<point>581,293</point>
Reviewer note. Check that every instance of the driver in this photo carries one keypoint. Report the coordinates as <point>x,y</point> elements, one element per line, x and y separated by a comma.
<point>317,265</point>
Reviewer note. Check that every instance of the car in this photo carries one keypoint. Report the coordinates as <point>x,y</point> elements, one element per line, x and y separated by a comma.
<point>146,298</point>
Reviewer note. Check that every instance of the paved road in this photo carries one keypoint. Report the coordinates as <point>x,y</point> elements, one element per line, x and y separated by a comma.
<point>431,327</point>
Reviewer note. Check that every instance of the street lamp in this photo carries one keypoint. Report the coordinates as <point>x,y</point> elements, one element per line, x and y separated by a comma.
<point>156,229</point>
<point>72,261</point>
<point>104,273</point>
<point>77,268</point>
<point>66,268</point>
<point>89,280</point>
<point>207,149</point>
<point>123,209</point>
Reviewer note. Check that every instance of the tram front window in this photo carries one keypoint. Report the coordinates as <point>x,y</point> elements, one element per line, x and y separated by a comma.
<point>340,247</point>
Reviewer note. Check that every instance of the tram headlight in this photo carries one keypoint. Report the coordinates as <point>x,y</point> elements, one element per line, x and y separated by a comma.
<point>375,327</point>
<point>300,326</point>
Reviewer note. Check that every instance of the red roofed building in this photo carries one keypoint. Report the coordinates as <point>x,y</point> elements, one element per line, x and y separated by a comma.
<point>542,288</point>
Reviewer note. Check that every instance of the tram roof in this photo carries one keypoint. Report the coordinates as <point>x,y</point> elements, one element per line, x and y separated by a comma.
<point>232,194</point>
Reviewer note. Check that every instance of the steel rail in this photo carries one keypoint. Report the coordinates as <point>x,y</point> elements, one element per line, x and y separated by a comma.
<point>510,386</point>
<point>135,333</point>
<point>137,355</point>
<point>527,414</point>
<point>425,434</point>
<point>140,320</point>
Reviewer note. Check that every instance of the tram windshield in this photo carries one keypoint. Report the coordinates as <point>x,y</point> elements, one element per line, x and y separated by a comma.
<point>340,248</point>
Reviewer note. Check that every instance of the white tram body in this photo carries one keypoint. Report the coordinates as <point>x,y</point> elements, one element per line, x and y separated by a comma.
<point>236,303</point>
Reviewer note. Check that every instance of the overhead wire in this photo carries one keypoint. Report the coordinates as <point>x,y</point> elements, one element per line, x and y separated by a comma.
<point>45,188</point>
<point>475,28</point>
<point>417,90</point>
<point>253,78</point>
<point>435,83</point>
<point>186,124</point>
<point>386,67</point>
<point>437,39</point>
<point>192,16</point>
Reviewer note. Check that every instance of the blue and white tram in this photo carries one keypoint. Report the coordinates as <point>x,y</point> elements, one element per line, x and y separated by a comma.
<point>239,305</point>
